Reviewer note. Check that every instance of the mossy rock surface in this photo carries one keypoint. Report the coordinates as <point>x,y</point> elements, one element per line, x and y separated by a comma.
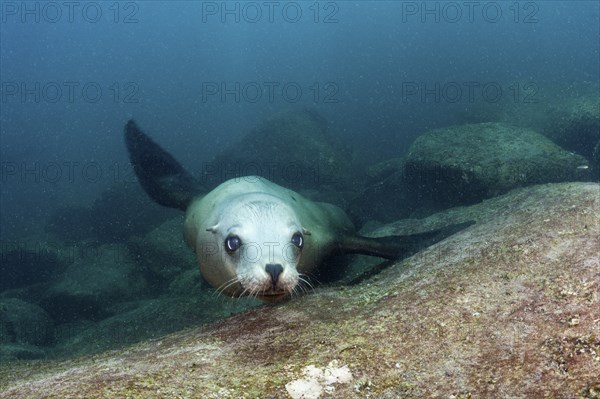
<point>575,125</point>
<point>120,212</point>
<point>464,164</point>
<point>24,322</point>
<point>93,281</point>
<point>28,262</point>
<point>162,254</point>
<point>506,308</point>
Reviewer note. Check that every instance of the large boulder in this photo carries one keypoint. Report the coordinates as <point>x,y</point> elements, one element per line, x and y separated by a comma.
<point>465,164</point>
<point>291,148</point>
<point>505,308</point>
<point>575,125</point>
<point>27,262</point>
<point>25,329</point>
<point>120,212</point>
<point>384,196</point>
<point>462,165</point>
<point>162,253</point>
<point>93,281</point>
<point>569,116</point>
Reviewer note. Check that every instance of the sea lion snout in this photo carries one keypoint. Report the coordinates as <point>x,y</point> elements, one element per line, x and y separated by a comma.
<point>274,270</point>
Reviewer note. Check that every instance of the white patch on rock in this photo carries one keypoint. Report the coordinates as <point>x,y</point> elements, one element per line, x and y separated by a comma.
<point>316,380</point>
<point>304,389</point>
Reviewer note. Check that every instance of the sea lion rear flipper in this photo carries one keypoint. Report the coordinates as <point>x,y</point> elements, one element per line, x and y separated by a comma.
<point>160,175</point>
<point>394,247</point>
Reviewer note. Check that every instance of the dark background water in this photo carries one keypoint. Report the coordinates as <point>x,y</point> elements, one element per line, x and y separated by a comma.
<point>188,72</point>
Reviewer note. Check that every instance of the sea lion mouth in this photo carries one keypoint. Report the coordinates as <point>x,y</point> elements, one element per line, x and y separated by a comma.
<point>272,296</point>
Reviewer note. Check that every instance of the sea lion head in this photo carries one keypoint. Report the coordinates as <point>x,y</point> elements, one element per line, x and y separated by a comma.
<point>255,245</point>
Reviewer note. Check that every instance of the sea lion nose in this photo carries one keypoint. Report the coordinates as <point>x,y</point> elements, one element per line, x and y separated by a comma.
<point>274,270</point>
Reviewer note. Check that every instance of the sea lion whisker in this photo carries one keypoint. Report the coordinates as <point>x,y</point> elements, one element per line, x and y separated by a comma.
<point>305,284</point>
<point>303,278</point>
<point>304,290</point>
<point>298,290</point>
<point>243,292</point>
<point>312,277</point>
<point>221,289</point>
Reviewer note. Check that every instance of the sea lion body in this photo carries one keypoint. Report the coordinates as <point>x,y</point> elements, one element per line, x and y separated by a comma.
<point>252,236</point>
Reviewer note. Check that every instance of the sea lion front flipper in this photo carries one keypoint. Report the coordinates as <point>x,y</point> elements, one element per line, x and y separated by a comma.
<point>395,247</point>
<point>160,175</point>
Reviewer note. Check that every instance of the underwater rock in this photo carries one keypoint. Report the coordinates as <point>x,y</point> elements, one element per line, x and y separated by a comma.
<point>162,254</point>
<point>71,223</point>
<point>464,164</point>
<point>94,280</point>
<point>574,124</point>
<point>188,283</point>
<point>505,308</point>
<point>24,323</point>
<point>567,115</point>
<point>120,212</point>
<point>291,148</point>
<point>24,263</point>
<point>461,165</point>
<point>12,352</point>
<point>144,319</point>
<point>24,329</point>
<point>385,196</point>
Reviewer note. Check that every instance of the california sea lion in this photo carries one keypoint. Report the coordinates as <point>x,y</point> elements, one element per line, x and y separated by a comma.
<point>251,236</point>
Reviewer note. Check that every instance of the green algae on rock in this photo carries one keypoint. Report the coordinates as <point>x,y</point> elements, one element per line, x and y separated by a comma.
<point>462,164</point>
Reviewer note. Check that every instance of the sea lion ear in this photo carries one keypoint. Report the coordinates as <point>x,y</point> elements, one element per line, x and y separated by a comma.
<point>305,232</point>
<point>213,229</point>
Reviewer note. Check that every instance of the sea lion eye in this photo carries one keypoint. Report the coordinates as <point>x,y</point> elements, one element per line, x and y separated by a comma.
<point>232,243</point>
<point>298,240</point>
